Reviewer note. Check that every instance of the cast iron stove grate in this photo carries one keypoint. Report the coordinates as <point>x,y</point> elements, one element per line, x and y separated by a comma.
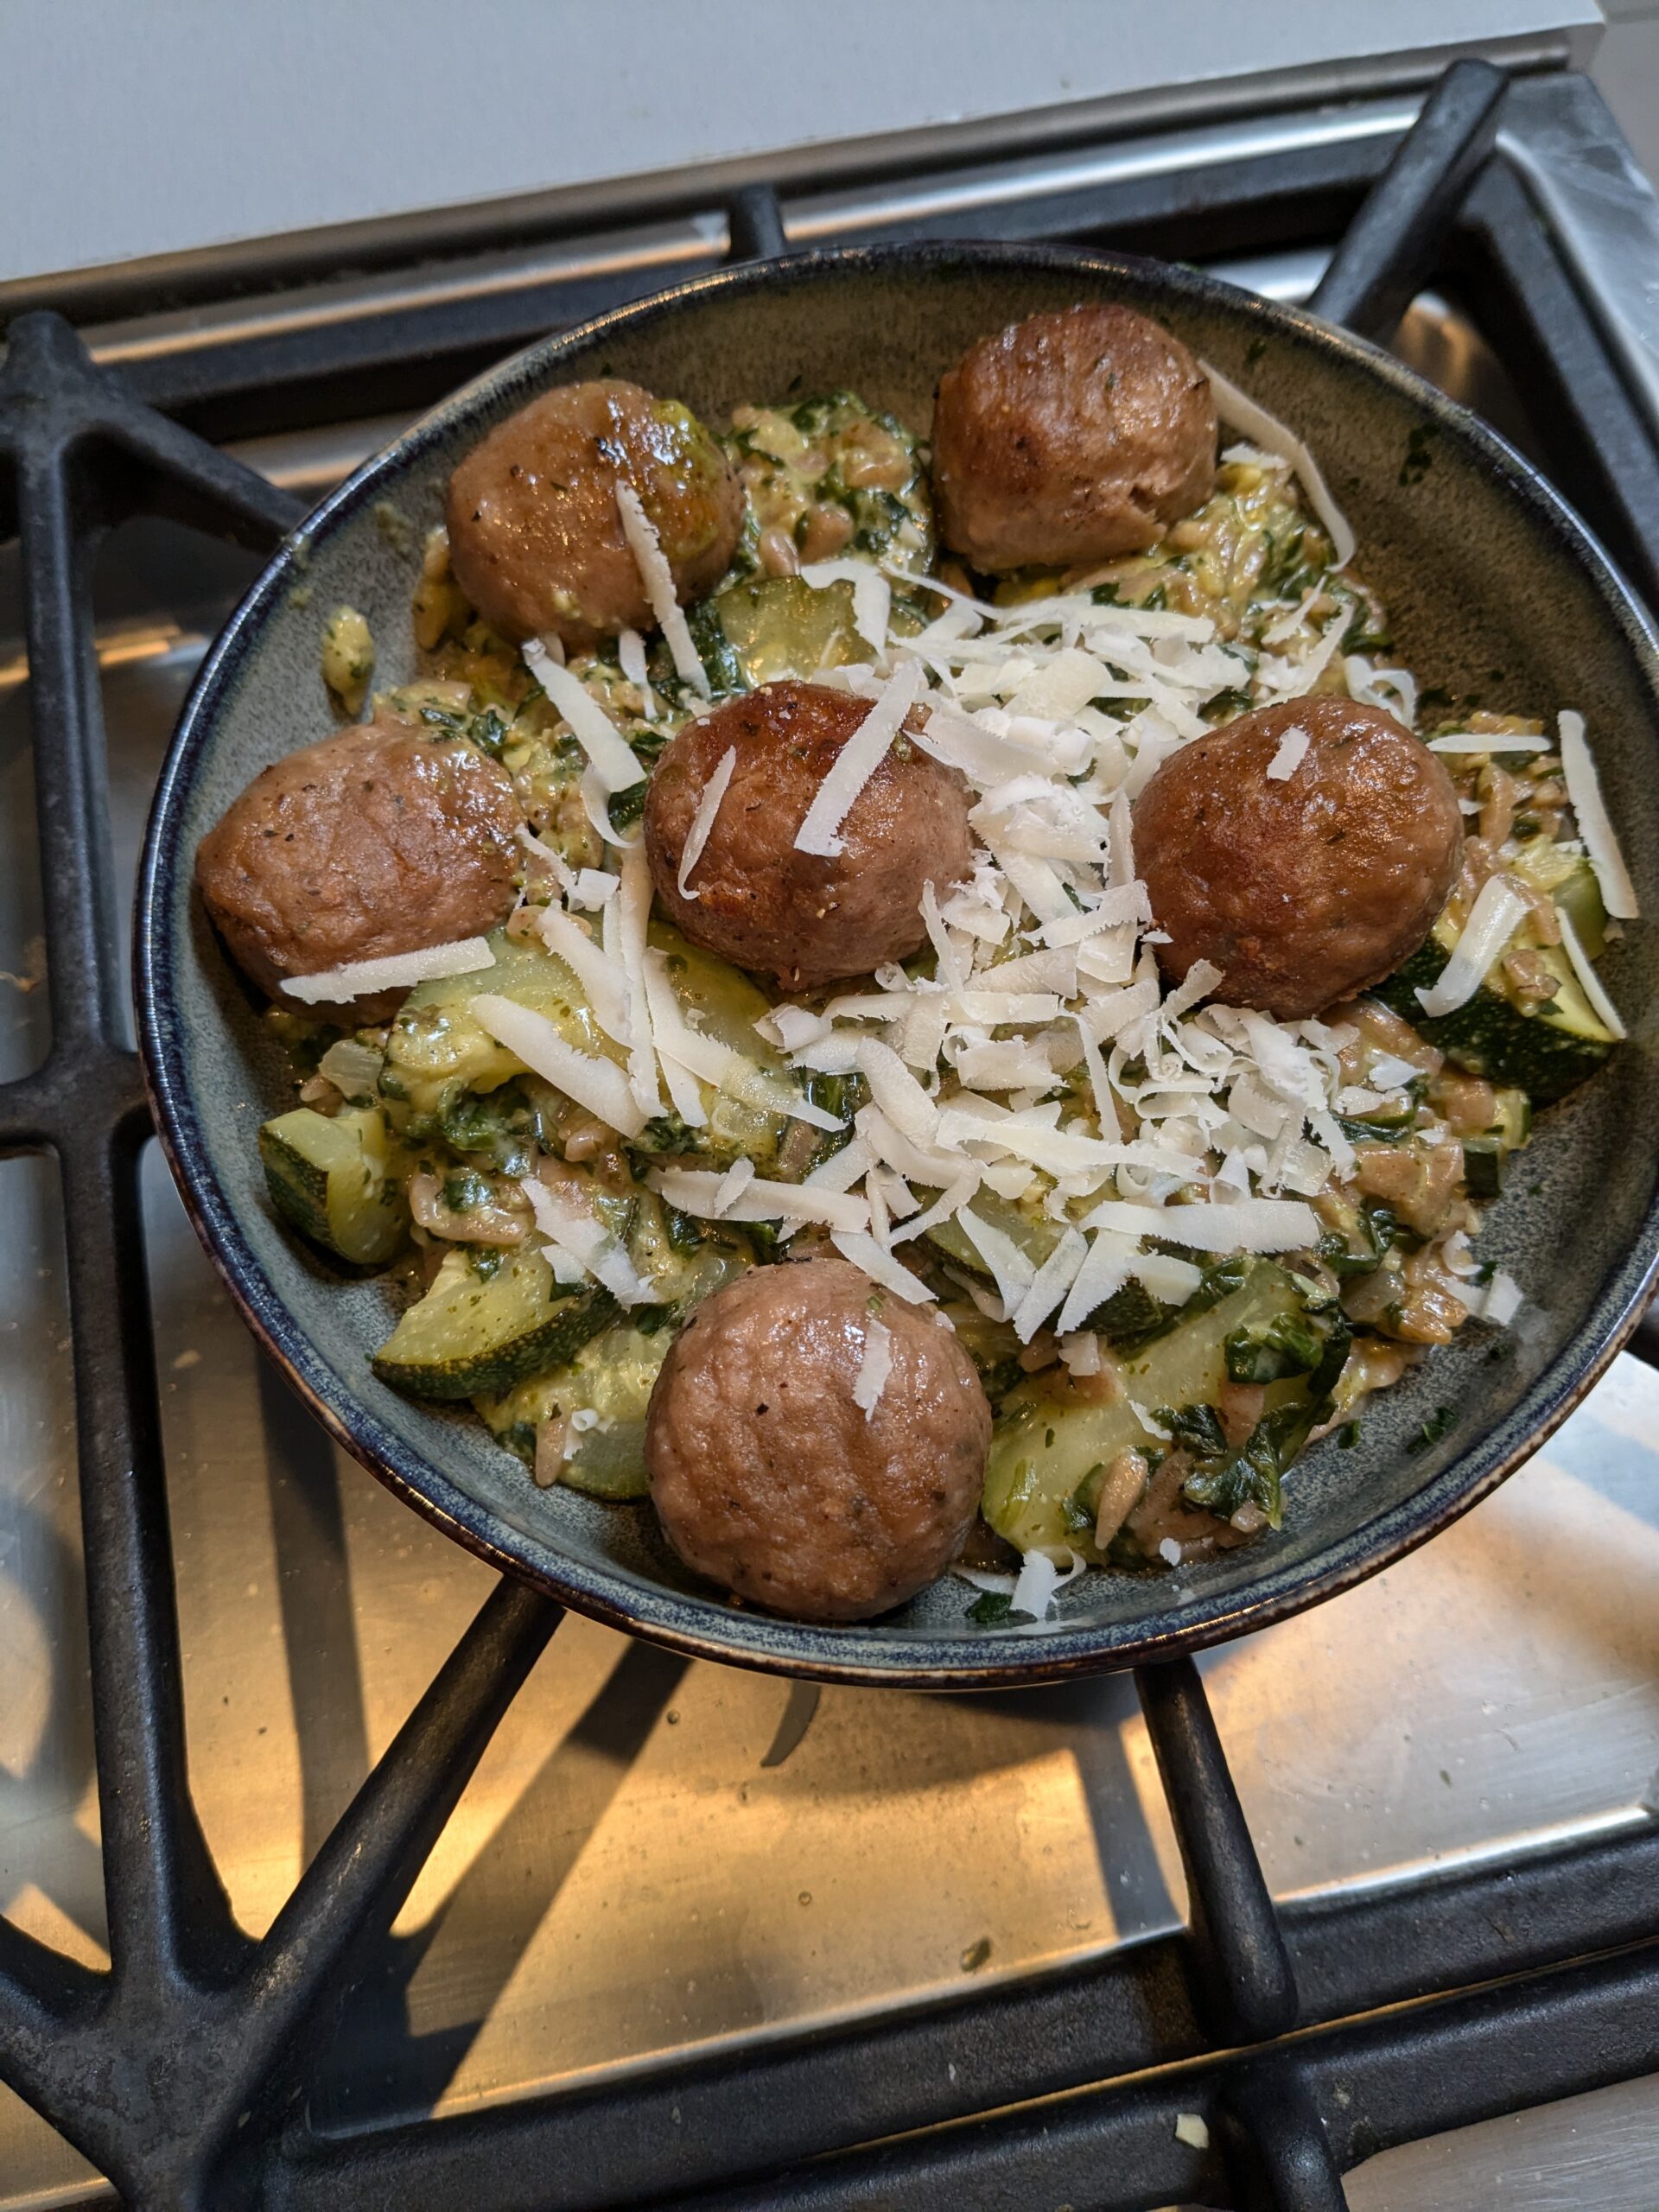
<point>1305,2038</point>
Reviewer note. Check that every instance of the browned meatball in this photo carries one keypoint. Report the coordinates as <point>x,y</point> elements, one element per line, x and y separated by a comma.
<point>767,1476</point>
<point>1304,887</point>
<point>377,841</point>
<point>535,539</point>
<point>1070,438</point>
<point>805,919</point>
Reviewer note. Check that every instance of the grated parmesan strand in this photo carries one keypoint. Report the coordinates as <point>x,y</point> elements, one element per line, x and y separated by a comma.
<point>857,761</point>
<point>393,971</point>
<point>703,820</point>
<point>609,755</point>
<point>659,579</point>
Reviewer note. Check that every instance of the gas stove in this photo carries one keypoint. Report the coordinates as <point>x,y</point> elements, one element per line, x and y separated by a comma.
<point>653,1933</point>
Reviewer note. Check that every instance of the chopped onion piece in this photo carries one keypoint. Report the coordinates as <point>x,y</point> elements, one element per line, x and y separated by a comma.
<point>658,581</point>
<point>612,759</point>
<point>353,1068</point>
<point>1497,912</point>
<point>1600,1005</point>
<point>703,820</point>
<point>1584,788</point>
<point>1080,1353</point>
<point>599,1086</point>
<point>393,971</point>
<point>857,761</point>
<point>1248,415</point>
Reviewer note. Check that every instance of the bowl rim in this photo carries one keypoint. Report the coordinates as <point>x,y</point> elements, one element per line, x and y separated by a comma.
<point>710,1627</point>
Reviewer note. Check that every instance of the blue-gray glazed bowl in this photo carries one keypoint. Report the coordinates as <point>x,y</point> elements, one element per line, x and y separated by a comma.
<point>1495,588</point>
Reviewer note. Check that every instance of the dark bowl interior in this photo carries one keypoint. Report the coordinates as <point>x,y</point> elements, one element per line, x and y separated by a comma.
<point>1497,591</point>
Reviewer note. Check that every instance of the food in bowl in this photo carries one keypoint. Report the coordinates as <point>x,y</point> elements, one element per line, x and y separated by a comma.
<point>1058,1006</point>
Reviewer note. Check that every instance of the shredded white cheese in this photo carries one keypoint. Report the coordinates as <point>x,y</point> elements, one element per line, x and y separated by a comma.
<point>1466,741</point>
<point>631,659</point>
<point>1497,912</point>
<point>1244,1226</point>
<point>1248,415</point>
<point>1600,1005</point>
<point>659,579</point>
<point>697,1191</point>
<point>393,971</point>
<point>599,1086</point>
<point>880,1265</point>
<point>1584,788</point>
<point>612,760</point>
<point>576,1232</point>
<point>607,991</point>
<point>872,598</point>
<point>857,761</point>
<point>703,820</point>
<point>1293,750</point>
<point>632,911</point>
<point>873,1368</point>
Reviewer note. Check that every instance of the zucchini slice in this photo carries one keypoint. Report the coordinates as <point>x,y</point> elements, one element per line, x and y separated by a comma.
<point>779,626</point>
<point>1055,1436</point>
<point>1035,1234</point>
<point>334,1180</point>
<point>476,1332</point>
<point>438,1057</point>
<point>1545,1050</point>
<point>611,1377</point>
<point>437,1050</point>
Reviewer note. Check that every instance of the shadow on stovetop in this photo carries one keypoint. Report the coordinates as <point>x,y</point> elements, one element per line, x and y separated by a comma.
<point>489,1916</point>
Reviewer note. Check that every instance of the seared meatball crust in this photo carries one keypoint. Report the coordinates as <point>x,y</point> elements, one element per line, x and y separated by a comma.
<point>1306,888</point>
<point>767,1477</point>
<point>535,539</point>
<point>1070,438</point>
<point>803,917</point>
<point>377,841</point>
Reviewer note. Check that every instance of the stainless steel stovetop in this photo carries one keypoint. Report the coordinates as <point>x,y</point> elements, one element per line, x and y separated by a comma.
<point>654,1857</point>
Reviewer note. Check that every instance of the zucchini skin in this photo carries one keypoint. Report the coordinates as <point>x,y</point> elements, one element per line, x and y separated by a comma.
<point>336,1181</point>
<point>461,1342</point>
<point>1491,1037</point>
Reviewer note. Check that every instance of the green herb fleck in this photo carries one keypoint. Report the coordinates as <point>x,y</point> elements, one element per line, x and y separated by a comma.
<point>990,1608</point>
<point>1439,1424</point>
